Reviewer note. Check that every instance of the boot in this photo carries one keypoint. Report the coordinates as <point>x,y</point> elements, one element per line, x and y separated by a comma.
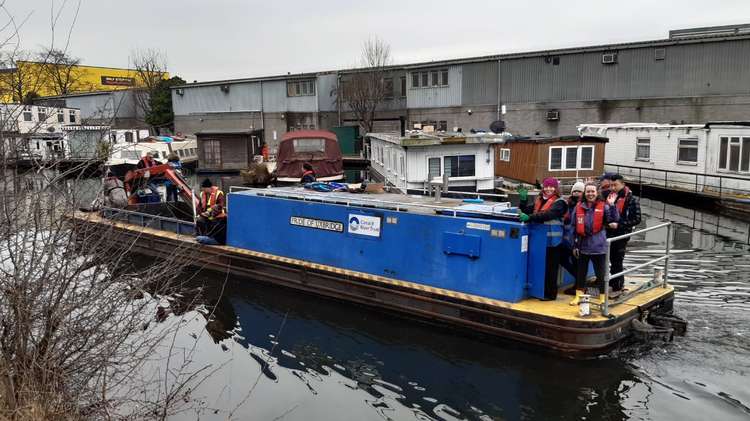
<point>601,298</point>
<point>577,298</point>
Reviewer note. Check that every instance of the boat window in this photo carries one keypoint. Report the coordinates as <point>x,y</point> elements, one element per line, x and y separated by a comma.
<point>587,158</point>
<point>571,158</point>
<point>459,166</point>
<point>212,152</point>
<point>72,116</point>
<point>643,149</point>
<point>129,137</point>
<point>27,116</point>
<point>309,145</point>
<point>734,154</point>
<point>687,150</point>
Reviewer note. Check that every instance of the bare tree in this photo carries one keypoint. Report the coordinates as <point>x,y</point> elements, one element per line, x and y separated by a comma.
<point>18,80</point>
<point>150,67</point>
<point>60,71</point>
<point>364,89</point>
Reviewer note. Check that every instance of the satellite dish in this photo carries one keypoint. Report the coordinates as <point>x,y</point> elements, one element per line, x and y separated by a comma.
<point>497,126</point>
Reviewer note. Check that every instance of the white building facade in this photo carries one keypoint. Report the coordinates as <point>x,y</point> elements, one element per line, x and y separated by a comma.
<point>410,163</point>
<point>698,157</point>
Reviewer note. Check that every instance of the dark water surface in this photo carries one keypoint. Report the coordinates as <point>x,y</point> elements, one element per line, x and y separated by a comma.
<point>298,357</point>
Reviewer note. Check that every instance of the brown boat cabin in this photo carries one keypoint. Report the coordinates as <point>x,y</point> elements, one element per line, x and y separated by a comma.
<point>531,159</point>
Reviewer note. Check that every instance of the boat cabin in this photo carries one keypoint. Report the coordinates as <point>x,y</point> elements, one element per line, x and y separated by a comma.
<point>531,159</point>
<point>320,148</point>
<point>228,150</point>
<point>410,163</point>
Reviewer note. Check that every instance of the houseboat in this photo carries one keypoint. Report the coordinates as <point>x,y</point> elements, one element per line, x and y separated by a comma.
<point>531,159</point>
<point>319,148</point>
<point>410,163</point>
<point>474,267</point>
<point>708,161</point>
<point>129,146</point>
<point>228,151</point>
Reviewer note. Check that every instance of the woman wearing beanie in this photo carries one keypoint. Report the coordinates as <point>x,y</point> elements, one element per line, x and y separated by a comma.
<point>591,216</point>
<point>548,206</point>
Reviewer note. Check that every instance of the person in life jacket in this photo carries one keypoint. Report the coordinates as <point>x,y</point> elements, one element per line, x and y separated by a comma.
<point>567,260</point>
<point>308,174</point>
<point>548,206</point>
<point>172,191</point>
<point>592,216</point>
<point>147,161</point>
<point>629,211</point>
<point>212,216</point>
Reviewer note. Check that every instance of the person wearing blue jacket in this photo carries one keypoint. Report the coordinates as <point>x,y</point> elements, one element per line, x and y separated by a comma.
<point>592,216</point>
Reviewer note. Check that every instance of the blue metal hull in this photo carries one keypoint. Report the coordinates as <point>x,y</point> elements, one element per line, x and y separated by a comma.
<point>491,258</point>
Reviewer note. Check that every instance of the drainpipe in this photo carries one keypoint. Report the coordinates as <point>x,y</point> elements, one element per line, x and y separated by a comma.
<point>498,90</point>
<point>262,124</point>
<point>338,95</point>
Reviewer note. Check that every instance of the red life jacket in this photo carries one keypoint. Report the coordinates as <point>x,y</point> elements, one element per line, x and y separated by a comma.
<point>548,204</point>
<point>621,201</point>
<point>581,218</point>
<point>208,202</point>
<point>148,162</point>
<point>308,172</point>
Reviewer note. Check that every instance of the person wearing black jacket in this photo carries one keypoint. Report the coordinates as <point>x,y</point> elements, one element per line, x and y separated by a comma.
<point>548,206</point>
<point>630,216</point>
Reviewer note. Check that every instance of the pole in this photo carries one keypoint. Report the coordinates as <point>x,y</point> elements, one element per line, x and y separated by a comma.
<point>666,260</point>
<point>605,304</point>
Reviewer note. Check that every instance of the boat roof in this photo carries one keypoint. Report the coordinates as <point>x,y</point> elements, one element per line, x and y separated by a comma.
<point>391,201</point>
<point>433,139</point>
<point>659,126</point>
<point>299,134</point>
<point>550,139</point>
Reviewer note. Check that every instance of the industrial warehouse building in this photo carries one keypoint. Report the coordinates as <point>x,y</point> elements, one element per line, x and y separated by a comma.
<point>695,75</point>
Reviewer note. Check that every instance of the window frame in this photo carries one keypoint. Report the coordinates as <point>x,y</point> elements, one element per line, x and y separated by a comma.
<point>564,157</point>
<point>440,167</point>
<point>695,147</point>
<point>741,143</point>
<point>402,80</point>
<point>458,166</point>
<point>638,143</point>
<point>72,116</point>
<point>300,87</point>
<point>505,154</point>
<point>28,113</point>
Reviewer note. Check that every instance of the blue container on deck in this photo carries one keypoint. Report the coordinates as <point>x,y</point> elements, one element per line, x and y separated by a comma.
<point>460,251</point>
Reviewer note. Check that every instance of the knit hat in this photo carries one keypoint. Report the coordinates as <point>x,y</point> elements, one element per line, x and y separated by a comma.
<point>578,186</point>
<point>206,184</point>
<point>551,182</point>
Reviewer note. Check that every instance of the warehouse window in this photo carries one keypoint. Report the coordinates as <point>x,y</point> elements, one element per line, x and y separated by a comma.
<point>300,88</point>
<point>643,149</point>
<point>734,154</point>
<point>430,79</point>
<point>505,155</point>
<point>459,166</point>
<point>388,88</point>
<point>687,151</point>
<point>562,158</point>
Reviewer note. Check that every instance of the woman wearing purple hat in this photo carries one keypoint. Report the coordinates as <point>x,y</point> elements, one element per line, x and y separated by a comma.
<point>548,206</point>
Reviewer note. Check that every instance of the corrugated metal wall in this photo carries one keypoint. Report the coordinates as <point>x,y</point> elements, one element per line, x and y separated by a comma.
<point>719,68</point>
<point>479,85</point>
<point>449,96</point>
<point>211,99</point>
<point>276,100</point>
<point>120,104</point>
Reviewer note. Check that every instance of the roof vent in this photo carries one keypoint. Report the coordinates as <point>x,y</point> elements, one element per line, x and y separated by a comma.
<point>224,88</point>
<point>179,91</point>
<point>553,115</point>
<point>660,53</point>
<point>609,58</point>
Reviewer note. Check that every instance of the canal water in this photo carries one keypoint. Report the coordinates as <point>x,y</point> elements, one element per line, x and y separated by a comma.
<point>269,354</point>
<point>279,354</point>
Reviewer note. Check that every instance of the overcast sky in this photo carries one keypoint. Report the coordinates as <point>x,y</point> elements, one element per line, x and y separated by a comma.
<point>225,39</point>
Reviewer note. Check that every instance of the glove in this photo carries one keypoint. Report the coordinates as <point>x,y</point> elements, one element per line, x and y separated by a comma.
<point>523,194</point>
<point>523,217</point>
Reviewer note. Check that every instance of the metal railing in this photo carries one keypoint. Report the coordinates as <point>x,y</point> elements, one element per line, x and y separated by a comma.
<point>163,223</point>
<point>607,276</point>
<point>715,185</point>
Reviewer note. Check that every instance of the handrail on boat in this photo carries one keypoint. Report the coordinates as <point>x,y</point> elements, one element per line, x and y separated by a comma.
<point>664,258</point>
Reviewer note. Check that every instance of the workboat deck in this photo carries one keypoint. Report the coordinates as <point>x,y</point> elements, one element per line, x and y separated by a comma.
<point>418,204</point>
<point>643,290</point>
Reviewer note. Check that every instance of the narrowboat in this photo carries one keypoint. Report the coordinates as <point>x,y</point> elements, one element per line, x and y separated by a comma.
<point>319,148</point>
<point>472,266</point>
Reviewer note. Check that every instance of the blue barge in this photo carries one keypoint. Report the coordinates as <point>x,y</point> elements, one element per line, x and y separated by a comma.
<point>472,267</point>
